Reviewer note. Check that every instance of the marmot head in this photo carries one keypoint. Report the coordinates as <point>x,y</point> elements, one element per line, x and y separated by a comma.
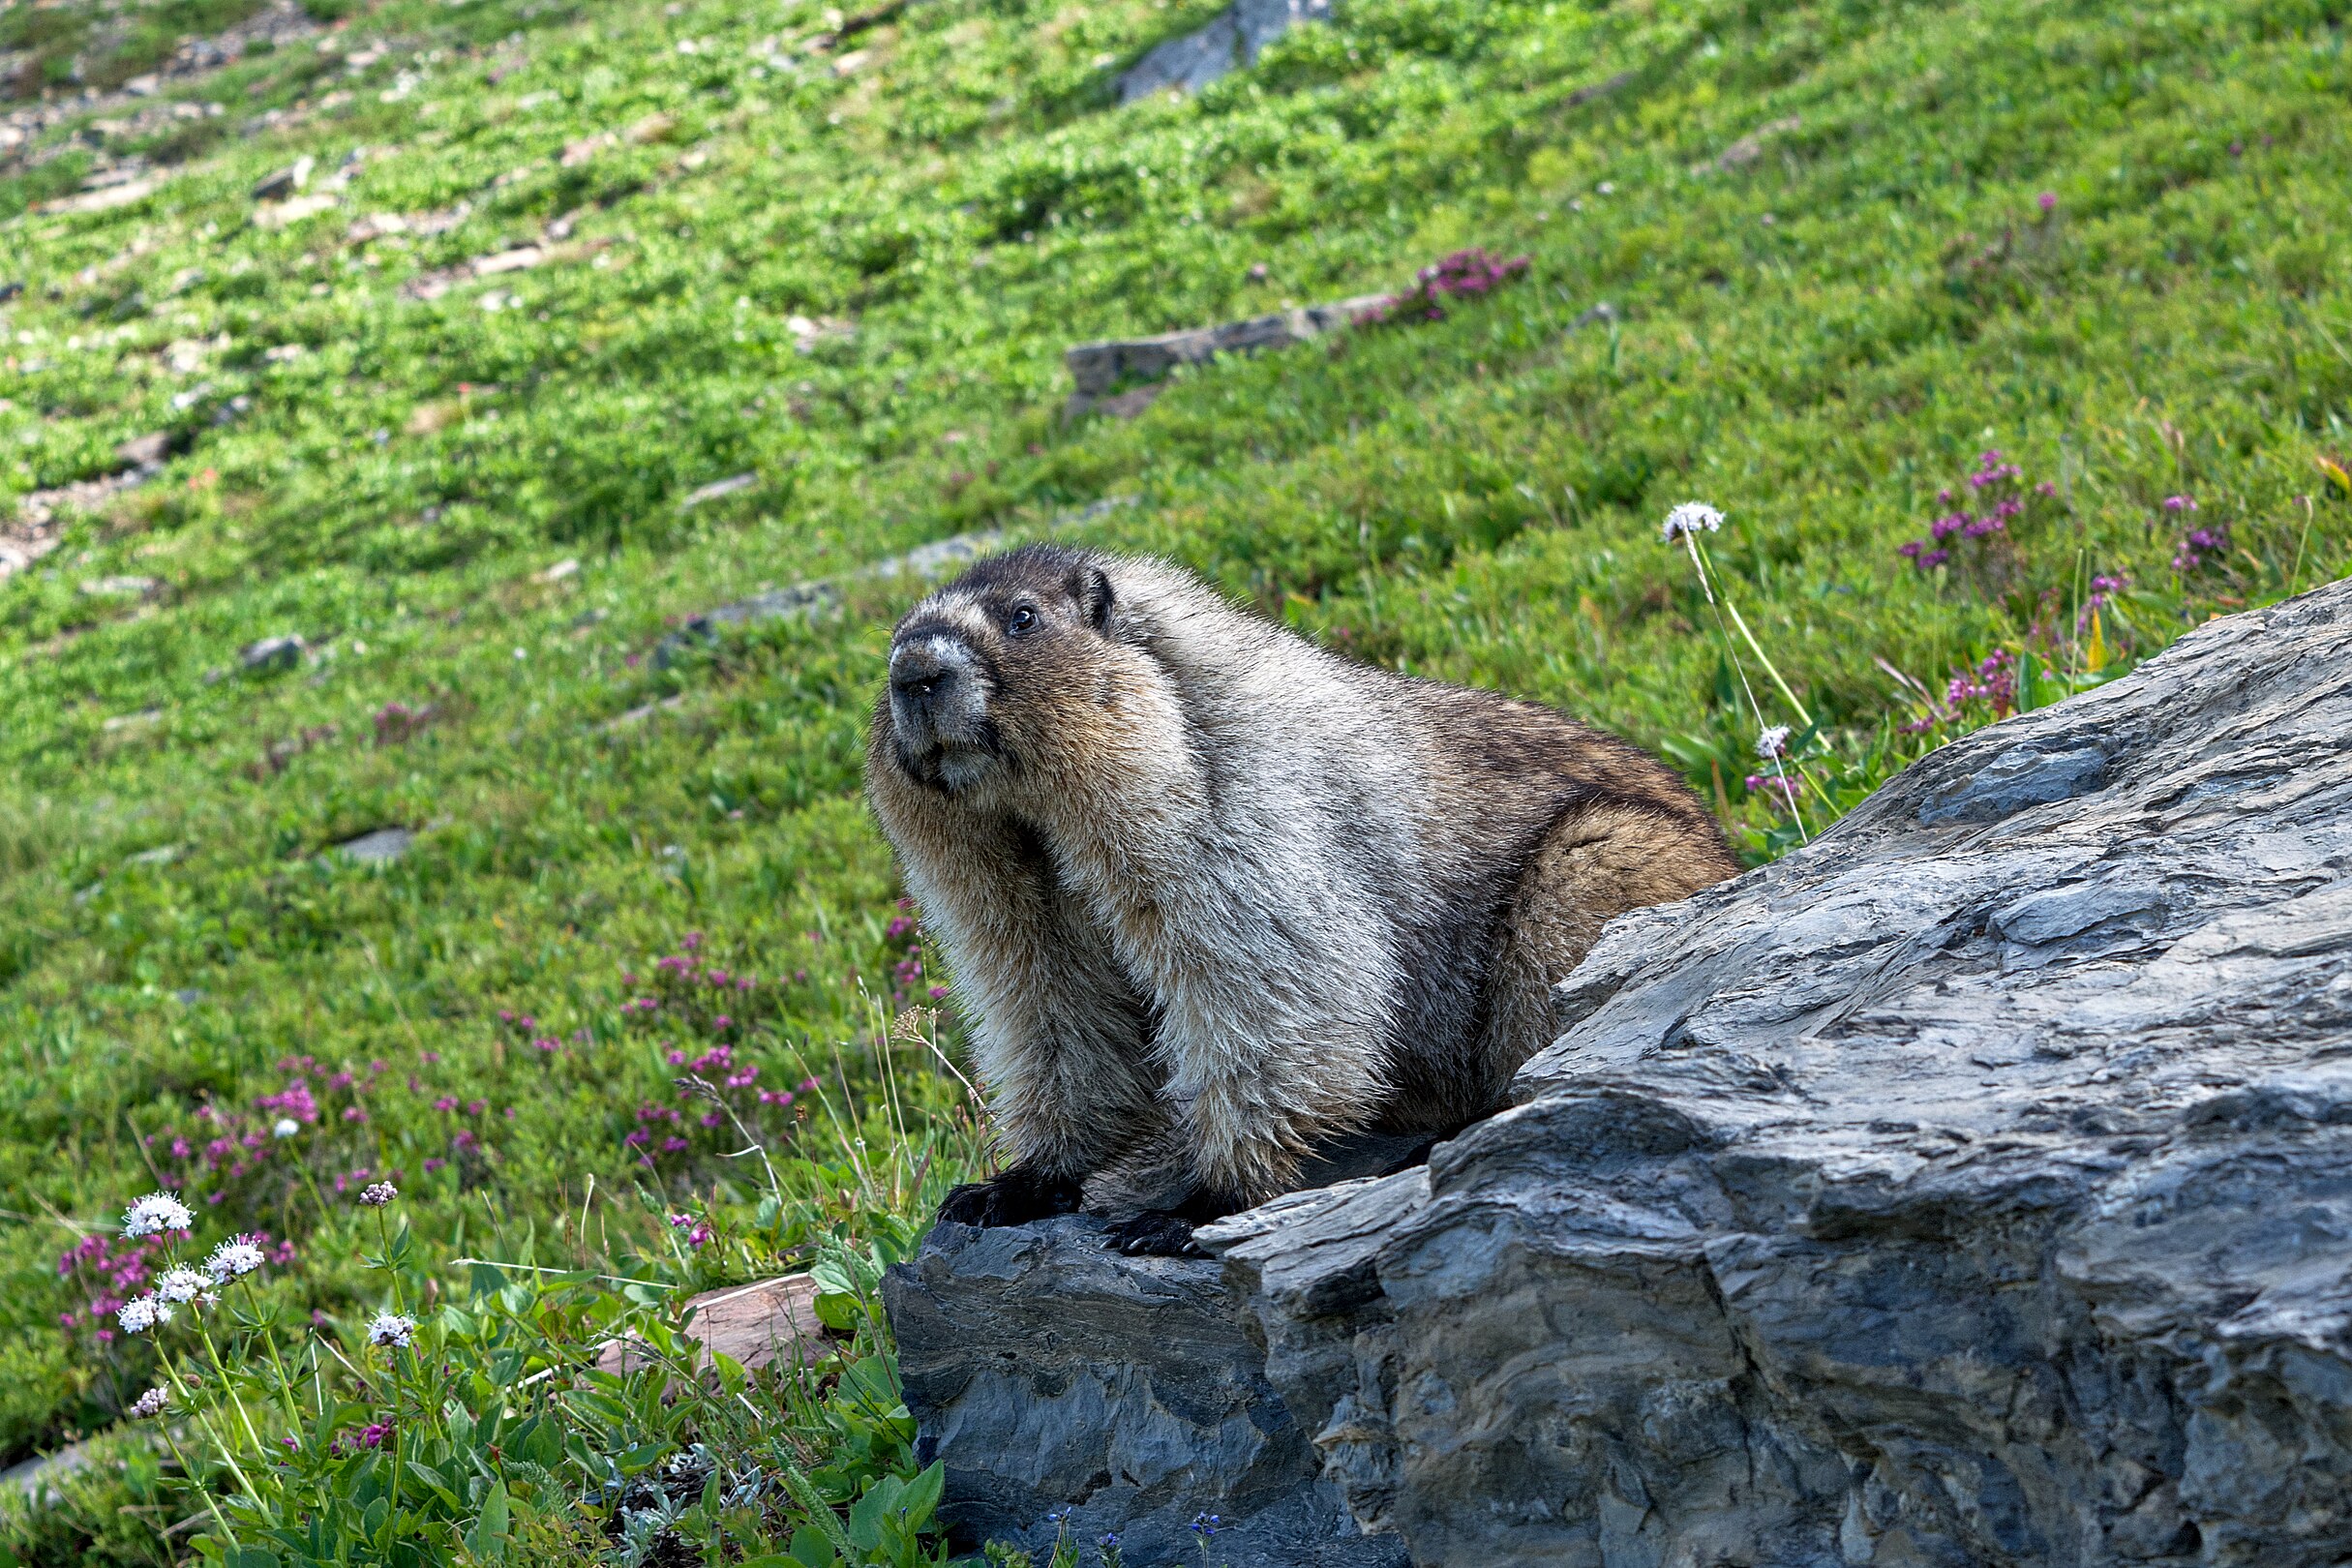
<point>980,669</point>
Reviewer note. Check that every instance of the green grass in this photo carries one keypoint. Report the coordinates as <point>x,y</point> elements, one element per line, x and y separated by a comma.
<point>1818,340</point>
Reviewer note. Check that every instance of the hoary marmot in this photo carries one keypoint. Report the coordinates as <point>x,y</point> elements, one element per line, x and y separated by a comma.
<point>1206,887</point>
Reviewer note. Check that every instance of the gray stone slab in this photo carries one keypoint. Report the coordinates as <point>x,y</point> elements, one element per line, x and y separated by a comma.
<point>1096,368</point>
<point>1973,1187</point>
<point>378,848</point>
<point>1049,1372</point>
<point>1230,41</point>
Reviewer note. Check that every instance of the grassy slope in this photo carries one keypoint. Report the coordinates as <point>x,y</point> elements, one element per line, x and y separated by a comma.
<point>1817,342</point>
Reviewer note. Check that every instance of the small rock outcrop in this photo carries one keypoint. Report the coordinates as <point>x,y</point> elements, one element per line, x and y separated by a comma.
<point>379,847</point>
<point>1973,1187</point>
<point>1231,39</point>
<point>1097,370</point>
<point>281,652</point>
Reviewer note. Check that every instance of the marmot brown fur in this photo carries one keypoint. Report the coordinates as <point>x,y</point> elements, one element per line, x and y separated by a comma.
<point>1208,889</point>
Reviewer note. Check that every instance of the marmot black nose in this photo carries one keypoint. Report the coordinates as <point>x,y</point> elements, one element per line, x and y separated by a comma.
<point>917,676</point>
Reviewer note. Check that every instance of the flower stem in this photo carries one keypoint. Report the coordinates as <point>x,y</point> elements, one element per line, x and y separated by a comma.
<point>383,1235</point>
<point>201,1410</point>
<point>1700,564</point>
<point>2295,577</point>
<point>392,1514</point>
<point>286,1383</point>
<point>221,1372</point>
<point>1803,717</point>
<point>210,1503</point>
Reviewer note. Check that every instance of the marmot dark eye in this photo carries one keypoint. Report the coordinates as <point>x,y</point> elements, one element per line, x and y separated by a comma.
<point>1021,621</point>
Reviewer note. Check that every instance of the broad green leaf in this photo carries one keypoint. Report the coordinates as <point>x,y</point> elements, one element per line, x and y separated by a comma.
<point>921,1499</point>
<point>831,1274</point>
<point>811,1550</point>
<point>879,1503</point>
<point>435,1483</point>
<point>487,1539</point>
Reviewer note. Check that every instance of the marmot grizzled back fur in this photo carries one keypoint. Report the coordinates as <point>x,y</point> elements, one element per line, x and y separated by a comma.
<point>1209,890</point>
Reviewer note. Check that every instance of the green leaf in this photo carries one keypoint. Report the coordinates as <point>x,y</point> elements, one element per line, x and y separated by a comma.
<point>434,1482</point>
<point>872,1385</point>
<point>544,1445</point>
<point>487,1539</point>
<point>837,1310</point>
<point>811,1550</point>
<point>831,1274</point>
<point>249,1556</point>
<point>637,1458</point>
<point>878,1504</point>
<point>921,1499</point>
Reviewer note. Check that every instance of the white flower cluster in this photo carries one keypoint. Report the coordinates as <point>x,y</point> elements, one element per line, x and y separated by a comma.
<point>156,1213</point>
<point>285,1126</point>
<point>1773,742</point>
<point>1689,518</point>
<point>149,1404</point>
<point>375,1194</point>
<point>141,1314</point>
<point>392,1328</point>
<point>233,1259</point>
<point>181,1285</point>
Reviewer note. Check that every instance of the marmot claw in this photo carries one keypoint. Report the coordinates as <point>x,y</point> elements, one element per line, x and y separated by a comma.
<point>1154,1233</point>
<point>1013,1198</point>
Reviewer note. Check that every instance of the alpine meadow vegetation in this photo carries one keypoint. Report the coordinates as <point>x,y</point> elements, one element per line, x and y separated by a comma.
<point>475,951</point>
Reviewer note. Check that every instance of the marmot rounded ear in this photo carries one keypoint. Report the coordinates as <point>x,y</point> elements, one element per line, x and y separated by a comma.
<point>1096,599</point>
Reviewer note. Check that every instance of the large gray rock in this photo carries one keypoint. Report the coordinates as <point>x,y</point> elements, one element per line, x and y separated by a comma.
<point>1974,1186</point>
<point>1971,1187</point>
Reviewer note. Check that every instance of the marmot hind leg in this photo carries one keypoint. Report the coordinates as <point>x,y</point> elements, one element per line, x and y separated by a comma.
<point>1597,862</point>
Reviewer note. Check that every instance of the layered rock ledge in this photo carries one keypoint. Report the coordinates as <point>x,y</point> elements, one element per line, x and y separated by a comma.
<point>1974,1187</point>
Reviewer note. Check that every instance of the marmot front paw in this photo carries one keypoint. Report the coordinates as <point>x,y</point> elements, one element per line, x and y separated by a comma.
<point>1154,1233</point>
<point>1013,1198</point>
